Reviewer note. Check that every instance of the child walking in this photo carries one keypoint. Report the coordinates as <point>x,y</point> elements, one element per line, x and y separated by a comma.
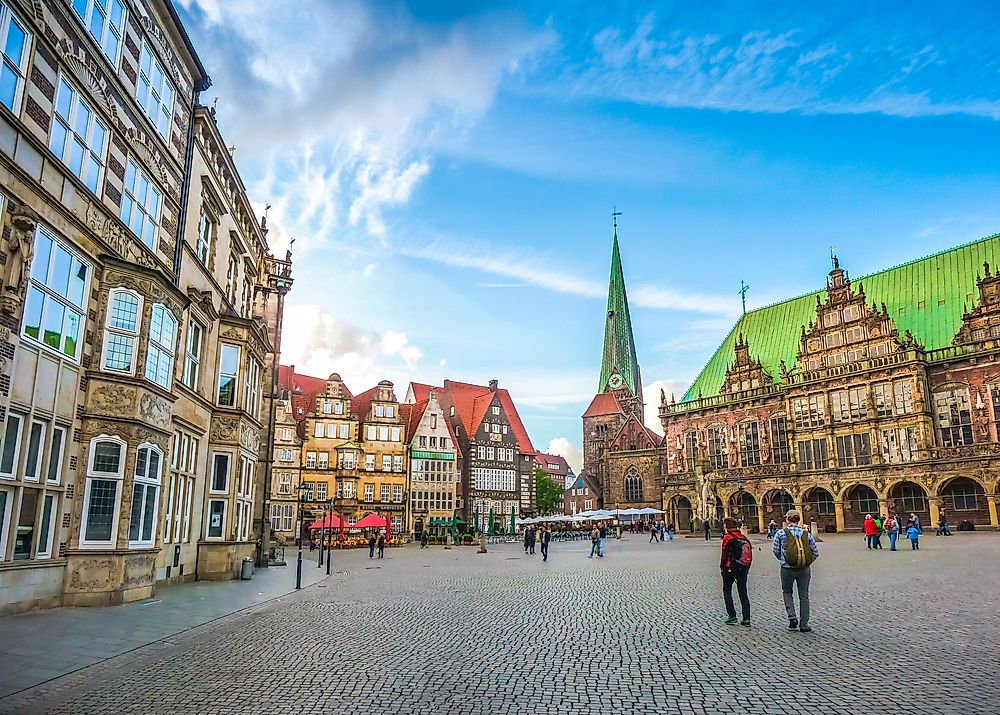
<point>913,534</point>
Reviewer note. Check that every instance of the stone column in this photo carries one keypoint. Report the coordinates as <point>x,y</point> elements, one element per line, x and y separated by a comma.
<point>932,504</point>
<point>991,502</point>
<point>838,515</point>
<point>761,526</point>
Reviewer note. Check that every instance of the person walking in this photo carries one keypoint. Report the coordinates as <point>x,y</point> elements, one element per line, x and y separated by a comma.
<point>771,529</point>
<point>527,539</point>
<point>545,537</point>
<point>423,539</point>
<point>892,528</point>
<point>595,536</point>
<point>913,534</point>
<point>670,531</point>
<point>653,533</point>
<point>708,530</point>
<point>532,539</point>
<point>871,531</point>
<point>915,521</point>
<point>795,548</point>
<point>381,544</point>
<point>737,556</point>
<point>600,541</point>
<point>879,530</point>
<point>371,546</point>
<point>943,528</point>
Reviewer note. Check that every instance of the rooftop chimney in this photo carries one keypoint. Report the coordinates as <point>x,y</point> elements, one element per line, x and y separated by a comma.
<point>493,385</point>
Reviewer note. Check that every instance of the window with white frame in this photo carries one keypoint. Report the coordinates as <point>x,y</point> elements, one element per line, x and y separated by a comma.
<point>53,470</point>
<point>192,354</point>
<point>145,493</point>
<point>310,460</point>
<point>383,434</point>
<point>79,137</point>
<point>323,460</point>
<point>55,299</point>
<point>345,431</point>
<point>397,463</point>
<point>320,491</point>
<point>160,348</point>
<point>216,518</point>
<point>6,505</point>
<point>33,451</point>
<point>105,464</point>
<point>284,483</point>
<point>385,492</point>
<point>285,455</point>
<point>121,331</point>
<point>11,444</point>
<point>369,462</point>
<point>229,368</point>
<point>208,227</point>
<point>386,462</point>
<point>338,408</point>
<point>46,528</point>
<point>252,403</point>
<point>395,434</point>
<point>140,204</point>
<point>183,468</point>
<point>232,275</point>
<point>14,41</point>
<point>154,92</point>
<point>220,472</point>
<point>105,20</point>
<point>397,493</point>
<point>369,492</point>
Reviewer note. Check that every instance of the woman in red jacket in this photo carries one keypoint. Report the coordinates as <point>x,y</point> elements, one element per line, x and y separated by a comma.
<point>871,531</point>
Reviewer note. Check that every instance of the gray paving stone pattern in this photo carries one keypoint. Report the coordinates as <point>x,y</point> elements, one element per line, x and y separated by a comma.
<point>639,631</point>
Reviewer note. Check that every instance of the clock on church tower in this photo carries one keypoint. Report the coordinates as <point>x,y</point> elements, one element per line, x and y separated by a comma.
<point>615,382</point>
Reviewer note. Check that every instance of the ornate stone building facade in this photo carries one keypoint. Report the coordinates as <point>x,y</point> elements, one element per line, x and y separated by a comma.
<point>434,465</point>
<point>875,395</point>
<point>113,404</point>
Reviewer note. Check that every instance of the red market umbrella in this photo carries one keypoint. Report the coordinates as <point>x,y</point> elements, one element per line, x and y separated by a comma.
<point>372,521</point>
<point>332,522</point>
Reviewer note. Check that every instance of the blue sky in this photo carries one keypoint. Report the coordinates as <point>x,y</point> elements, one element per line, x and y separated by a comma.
<point>448,171</point>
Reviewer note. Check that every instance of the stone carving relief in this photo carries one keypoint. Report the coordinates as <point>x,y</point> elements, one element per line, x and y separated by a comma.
<point>86,72</point>
<point>92,574</point>
<point>155,410</point>
<point>20,248</point>
<point>249,437</point>
<point>225,428</point>
<point>108,230</point>
<point>232,333</point>
<point>139,571</point>
<point>114,399</point>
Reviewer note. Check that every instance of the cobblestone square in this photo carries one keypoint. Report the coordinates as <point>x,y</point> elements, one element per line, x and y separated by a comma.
<point>451,631</point>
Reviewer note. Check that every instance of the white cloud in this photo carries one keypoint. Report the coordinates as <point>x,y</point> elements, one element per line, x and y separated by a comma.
<point>651,396</point>
<point>318,343</point>
<point>335,103</point>
<point>562,447</point>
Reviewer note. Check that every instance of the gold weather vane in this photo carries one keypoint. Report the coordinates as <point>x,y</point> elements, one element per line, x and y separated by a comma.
<point>743,294</point>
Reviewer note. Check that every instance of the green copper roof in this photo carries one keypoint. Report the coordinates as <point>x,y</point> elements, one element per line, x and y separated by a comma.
<point>619,345</point>
<point>925,296</point>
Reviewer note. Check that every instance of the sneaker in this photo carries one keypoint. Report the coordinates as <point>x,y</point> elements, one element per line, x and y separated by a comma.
<point>793,623</point>
<point>731,621</point>
<point>745,623</point>
<point>805,629</point>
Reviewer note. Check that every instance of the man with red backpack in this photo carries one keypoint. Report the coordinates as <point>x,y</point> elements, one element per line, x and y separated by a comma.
<point>737,555</point>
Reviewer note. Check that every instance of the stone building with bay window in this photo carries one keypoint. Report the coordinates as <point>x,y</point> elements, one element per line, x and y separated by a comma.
<point>434,465</point>
<point>112,402</point>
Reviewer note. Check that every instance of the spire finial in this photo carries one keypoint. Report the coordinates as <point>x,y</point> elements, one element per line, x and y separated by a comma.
<point>743,294</point>
<point>615,213</point>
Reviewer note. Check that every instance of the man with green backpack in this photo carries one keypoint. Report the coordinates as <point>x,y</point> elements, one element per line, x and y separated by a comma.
<point>795,548</point>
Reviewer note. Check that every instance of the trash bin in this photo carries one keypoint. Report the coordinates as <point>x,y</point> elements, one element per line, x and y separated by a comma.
<point>246,573</point>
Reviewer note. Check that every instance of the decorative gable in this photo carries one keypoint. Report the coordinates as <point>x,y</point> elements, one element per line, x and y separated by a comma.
<point>744,373</point>
<point>632,436</point>
<point>846,329</point>
<point>983,321</point>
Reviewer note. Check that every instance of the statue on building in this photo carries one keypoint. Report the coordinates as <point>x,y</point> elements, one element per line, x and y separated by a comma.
<point>706,498</point>
<point>20,248</point>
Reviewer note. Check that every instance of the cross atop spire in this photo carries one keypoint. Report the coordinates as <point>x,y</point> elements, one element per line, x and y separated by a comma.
<point>615,213</point>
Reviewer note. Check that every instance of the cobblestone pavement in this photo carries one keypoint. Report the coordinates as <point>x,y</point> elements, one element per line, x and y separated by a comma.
<point>449,631</point>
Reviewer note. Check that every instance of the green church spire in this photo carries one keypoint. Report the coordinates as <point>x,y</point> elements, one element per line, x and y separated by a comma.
<point>619,345</point>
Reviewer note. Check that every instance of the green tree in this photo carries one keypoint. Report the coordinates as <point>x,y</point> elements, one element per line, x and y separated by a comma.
<point>548,492</point>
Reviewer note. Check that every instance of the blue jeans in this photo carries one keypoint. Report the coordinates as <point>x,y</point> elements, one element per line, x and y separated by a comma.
<point>892,540</point>
<point>600,547</point>
<point>670,535</point>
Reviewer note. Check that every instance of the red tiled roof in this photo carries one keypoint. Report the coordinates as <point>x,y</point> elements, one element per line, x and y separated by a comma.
<point>361,404</point>
<point>411,415</point>
<point>657,438</point>
<point>604,403</point>
<point>302,389</point>
<point>472,403</point>
<point>553,464</point>
<point>422,392</point>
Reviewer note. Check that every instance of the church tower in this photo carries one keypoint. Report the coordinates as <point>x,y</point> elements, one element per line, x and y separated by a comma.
<point>619,365</point>
<point>619,391</point>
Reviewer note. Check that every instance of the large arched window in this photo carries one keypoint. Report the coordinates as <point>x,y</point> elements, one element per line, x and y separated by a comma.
<point>160,350</point>
<point>145,489</point>
<point>690,449</point>
<point>121,331</point>
<point>633,485</point>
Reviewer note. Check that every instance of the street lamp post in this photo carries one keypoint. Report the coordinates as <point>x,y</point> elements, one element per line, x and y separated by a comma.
<point>329,539</point>
<point>298,561</point>
<point>322,538</point>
